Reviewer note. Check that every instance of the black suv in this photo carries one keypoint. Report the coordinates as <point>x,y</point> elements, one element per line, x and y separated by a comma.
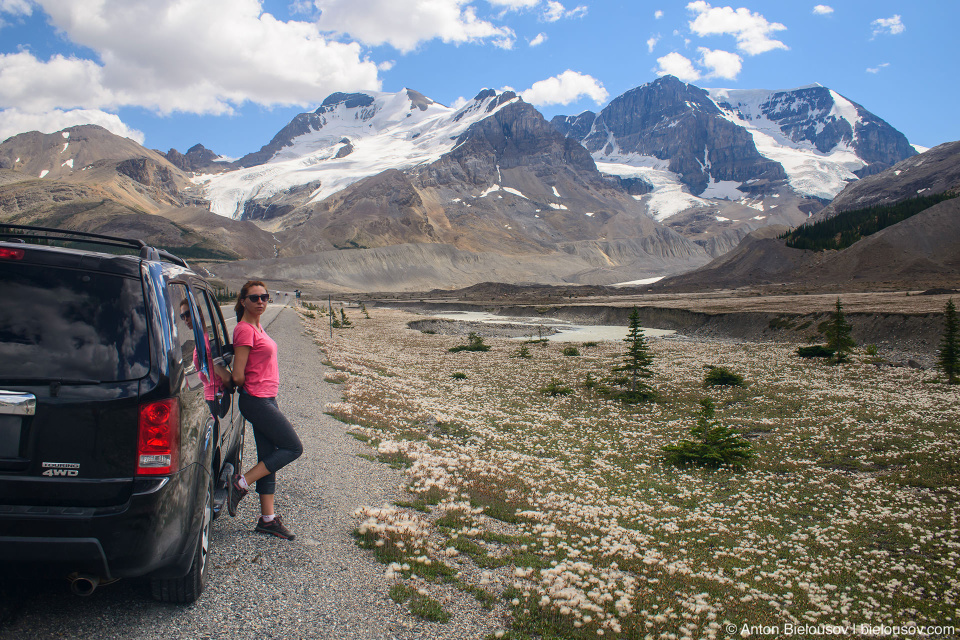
<point>117,436</point>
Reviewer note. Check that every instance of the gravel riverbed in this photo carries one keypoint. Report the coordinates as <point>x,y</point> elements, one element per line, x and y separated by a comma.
<point>320,585</point>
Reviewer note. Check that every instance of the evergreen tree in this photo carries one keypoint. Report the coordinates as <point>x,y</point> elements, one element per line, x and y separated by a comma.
<point>949,356</point>
<point>713,445</point>
<point>838,335</point>
<point>635,370</point>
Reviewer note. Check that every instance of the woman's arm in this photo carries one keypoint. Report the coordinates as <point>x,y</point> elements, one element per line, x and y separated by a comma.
<point>240,356</point>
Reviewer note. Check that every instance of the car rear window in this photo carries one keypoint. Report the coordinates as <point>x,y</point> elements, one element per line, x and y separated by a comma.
<point>64,324</point>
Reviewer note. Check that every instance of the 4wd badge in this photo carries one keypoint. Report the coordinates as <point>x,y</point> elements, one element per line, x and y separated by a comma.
<point>68,469</point>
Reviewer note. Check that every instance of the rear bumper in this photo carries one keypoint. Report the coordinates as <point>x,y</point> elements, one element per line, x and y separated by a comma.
<point>154,532</point>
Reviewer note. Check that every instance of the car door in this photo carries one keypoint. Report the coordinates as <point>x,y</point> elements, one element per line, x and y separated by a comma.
<point>221,359</point>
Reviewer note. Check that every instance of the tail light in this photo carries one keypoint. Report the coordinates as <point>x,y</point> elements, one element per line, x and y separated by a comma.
<point>11,254</point>
<point>158,445</point>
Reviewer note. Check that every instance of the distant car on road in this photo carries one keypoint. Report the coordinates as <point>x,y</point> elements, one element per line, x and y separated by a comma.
<point>116,435</point>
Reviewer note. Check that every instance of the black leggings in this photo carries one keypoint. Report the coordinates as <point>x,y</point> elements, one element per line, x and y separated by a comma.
<point>277,443</point>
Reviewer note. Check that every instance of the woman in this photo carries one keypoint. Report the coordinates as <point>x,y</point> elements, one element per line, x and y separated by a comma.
<point>257,374</point>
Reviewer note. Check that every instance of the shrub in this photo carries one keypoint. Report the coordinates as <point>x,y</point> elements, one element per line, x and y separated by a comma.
<point>815,351</point>
<point>474,343</point>
<point>555,388</point>
<point>571,351</point>
<point>589,382</point>
<point>458,375</point>
<point>713,445</point>
<point>522,352</point>
<point>723,377</point>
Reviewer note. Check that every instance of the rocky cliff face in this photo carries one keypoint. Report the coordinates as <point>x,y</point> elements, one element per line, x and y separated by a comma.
<point>934,171</point>
<point>680,124</point>
<point>197,159</point>
<point>825,119</point>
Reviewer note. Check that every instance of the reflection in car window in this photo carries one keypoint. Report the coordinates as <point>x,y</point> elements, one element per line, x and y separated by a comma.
<point>67,324</point>
<point>183,320</point>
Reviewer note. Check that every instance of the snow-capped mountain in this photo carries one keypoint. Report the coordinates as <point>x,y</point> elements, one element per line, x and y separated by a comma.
<point>691,145</point>
<point>349,137</point>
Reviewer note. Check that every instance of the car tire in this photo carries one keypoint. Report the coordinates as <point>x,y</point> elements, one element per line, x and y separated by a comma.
<point>188,588</point>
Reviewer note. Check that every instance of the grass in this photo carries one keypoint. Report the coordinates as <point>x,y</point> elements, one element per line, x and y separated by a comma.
<point>847,513</point>
<point>428,609</point>
<point>421,606</point>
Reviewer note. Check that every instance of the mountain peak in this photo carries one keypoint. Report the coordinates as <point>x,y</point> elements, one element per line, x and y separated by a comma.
<point>348,100</point>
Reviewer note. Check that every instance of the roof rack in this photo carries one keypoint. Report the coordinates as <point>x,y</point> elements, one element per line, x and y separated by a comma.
<point>28,232</point>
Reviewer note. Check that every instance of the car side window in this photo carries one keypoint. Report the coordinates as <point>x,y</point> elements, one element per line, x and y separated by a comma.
<point>216,331</point>
<point>184,321</point>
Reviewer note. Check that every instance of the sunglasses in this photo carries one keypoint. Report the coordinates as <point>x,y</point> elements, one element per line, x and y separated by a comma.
<point>263,297</point>
<point>185,315</point>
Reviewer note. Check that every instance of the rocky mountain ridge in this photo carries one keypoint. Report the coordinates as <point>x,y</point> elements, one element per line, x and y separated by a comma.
<point>922,251</point>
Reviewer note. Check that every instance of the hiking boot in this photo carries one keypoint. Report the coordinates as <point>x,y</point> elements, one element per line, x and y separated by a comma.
<point>275,528</point>
<point>235,494</point>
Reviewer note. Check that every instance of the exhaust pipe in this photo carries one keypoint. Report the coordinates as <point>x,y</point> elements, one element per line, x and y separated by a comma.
<point>83,584</point>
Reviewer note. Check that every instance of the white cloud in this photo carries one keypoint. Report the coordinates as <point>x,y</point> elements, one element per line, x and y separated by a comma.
<point>515,5</point>
<point>677,65</point>
<point>198,56</point>
<point>720,64</point>
<point>652,42</point>
<point>538,40</point>
<point>876,69</point>
<point>386,65</point>
<point>14,121</point>
<point>822,10</point>
<point>16,7</point>
<point>565,88</point>
<point>890,26</point>
<point>555,11</point>
<point>657,14</point>
<point>404,24</point>
<point>751,30</point>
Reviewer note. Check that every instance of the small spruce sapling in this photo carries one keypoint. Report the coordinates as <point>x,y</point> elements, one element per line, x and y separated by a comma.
<point>713,445</point>
<point>948,358</point>
<point>838,335</point>
<point>635,370</point>
<point>523,352</point>
<point>475,343</point>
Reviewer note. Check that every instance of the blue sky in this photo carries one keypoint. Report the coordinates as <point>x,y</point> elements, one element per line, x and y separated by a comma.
<point>230,73</point>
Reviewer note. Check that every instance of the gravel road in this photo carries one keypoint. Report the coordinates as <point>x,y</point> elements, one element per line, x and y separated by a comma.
<point>320,585</point>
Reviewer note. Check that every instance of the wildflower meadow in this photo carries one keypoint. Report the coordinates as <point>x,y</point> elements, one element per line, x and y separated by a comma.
<point>562,512</point>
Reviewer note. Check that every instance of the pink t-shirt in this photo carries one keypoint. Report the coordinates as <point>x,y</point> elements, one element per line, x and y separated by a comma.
<point>261,376</point>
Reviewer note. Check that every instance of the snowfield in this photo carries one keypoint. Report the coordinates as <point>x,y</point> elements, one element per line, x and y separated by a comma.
<point>391,133</point>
